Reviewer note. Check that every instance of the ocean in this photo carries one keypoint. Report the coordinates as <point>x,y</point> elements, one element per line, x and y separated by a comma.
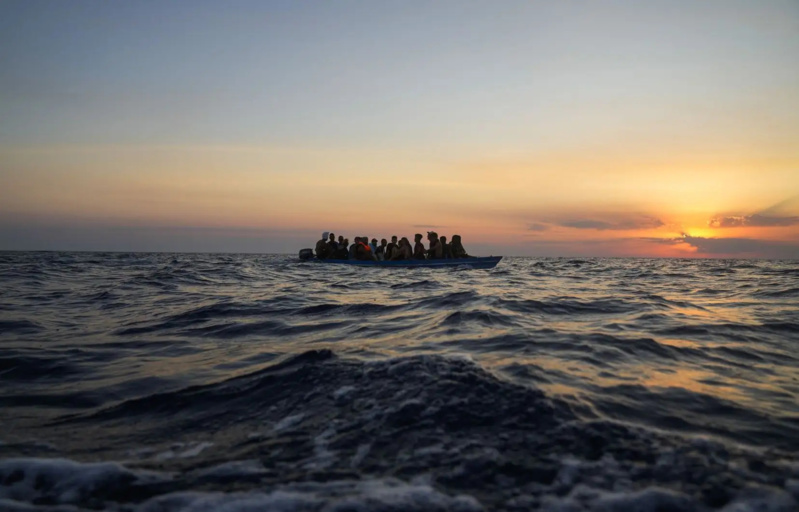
<point>220,382</point>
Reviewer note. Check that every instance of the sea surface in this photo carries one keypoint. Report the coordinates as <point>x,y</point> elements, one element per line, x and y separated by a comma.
<point>192,382</point>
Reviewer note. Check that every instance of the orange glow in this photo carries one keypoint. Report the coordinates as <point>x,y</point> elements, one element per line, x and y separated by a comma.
<point>621,205</point>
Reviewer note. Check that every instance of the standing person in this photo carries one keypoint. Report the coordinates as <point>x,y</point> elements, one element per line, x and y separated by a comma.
<point>418,247</point>
<point>353,248</point>
<point>341,241</point>
<point>457,248</point>
<point>373,246</point>
<point>435,252</point>
<point>333,245</point>
<point>446,249</point>
<point>391,248</point>
<point>322,249</point>
<point>380,252</point>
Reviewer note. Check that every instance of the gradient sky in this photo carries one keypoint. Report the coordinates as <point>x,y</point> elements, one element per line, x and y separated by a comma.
<point>658,128</point>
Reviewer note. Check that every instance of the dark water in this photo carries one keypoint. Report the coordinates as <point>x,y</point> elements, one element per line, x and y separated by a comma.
<point>154,382</point>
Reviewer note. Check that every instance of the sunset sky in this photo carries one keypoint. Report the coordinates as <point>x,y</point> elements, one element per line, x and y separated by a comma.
<point>607,128</point>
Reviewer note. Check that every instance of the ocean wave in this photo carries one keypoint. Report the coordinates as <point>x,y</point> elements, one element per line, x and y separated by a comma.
<point>570,306</point>
<point>19,327</point>
<point>544,384</point>
<point>413,424</point>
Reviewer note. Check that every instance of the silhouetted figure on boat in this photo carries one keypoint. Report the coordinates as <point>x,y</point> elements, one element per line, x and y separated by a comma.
<point>446,249</point>
<point>436,252</point>
<point>333,245</point>
<point>418,247</point>
<point>391,248</point>
<point>457,248</point>
<point>322,248</point>
<point>342,253</point>
<point>353,248</point>
<point>362,250</point>
<point>380,251</point>
<point>403,250</point>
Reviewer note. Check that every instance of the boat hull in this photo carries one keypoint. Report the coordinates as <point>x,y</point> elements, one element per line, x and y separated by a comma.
<point>485,262</point>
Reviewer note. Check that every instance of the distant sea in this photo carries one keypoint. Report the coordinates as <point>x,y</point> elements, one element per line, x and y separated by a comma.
<point>193,382</point>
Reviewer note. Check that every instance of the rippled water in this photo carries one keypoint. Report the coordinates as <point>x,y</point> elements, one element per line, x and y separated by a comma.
<point>157,382</point>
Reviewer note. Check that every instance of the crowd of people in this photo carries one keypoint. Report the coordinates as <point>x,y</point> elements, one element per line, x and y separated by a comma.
<point>362,249</point>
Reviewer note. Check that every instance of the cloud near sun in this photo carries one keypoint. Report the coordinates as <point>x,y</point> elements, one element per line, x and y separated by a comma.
<point>602,223</point>
<point>755,220</point>
<point>732,247</point>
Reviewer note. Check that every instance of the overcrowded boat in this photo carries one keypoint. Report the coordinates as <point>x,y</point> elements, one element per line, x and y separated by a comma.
<point>397,253</point>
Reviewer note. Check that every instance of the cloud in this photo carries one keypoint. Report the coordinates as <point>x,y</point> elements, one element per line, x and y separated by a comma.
<point>789,207</point>
<point>779,215</point>
<point>619,224</point>
<point>537,227</point>
<point>662,241</point>
<point>748,247</point>
<point>731,247</point>
<point>751,220</point>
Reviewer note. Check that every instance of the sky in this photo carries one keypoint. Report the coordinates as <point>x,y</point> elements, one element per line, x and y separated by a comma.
<point>604,128</point>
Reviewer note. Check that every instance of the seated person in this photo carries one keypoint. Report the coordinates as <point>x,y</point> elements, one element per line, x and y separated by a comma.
<point>435,252</point>
<point>457,248</point>
<point>418,247</point>
<point>322,249</point>
<point>446,249</point>
<point>342,253</point>
<point>380,251</point>
<point>363,252</point>
<point>403,250</point>
<point>390,248</point>
<point>353,248</point>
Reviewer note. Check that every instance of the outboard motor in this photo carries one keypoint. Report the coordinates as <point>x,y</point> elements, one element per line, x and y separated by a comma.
<point>306,254</point>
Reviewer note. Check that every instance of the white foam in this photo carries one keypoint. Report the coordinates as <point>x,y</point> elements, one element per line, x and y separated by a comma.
<point>195,450</point>
<point>435,449</point>
<point>342,392</point>
<point>588,499</point>
<point>652,499</point>
<point>380,494</point>
<point>763,499</point>
<point>371,495</point>
<point>288,422</point>
<point>569,470</point>
<point>184,451</point>
<point>360,454</point>
<point>233,469</point>
<point>583,498</point>
<point>235,502</point>
<point>323,457</point>
<point>64,481</point>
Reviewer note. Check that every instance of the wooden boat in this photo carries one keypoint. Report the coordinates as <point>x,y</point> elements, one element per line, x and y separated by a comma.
<point>474,262</point>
